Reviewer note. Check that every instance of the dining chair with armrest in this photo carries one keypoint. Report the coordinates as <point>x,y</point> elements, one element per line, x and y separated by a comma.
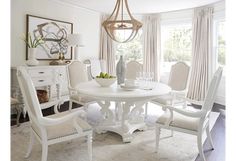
<point>178,81</point>
<point>77,73</point>
<point>191,122</point>
<point>51,129</point>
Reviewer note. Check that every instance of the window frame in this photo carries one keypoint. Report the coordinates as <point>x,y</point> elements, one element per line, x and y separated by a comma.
<point>141,42</point>
<point>215,37</point>
<point>215,64</point>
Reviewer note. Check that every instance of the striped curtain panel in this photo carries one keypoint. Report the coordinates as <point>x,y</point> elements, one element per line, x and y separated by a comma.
<point>107,49</point>
<point>201,53</point>
<point>152,44</point>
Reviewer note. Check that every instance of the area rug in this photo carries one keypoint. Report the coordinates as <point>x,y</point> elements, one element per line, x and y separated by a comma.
<point>109,146</point>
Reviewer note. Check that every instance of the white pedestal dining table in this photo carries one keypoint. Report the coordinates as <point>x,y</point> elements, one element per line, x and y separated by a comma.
<point>128,115</point>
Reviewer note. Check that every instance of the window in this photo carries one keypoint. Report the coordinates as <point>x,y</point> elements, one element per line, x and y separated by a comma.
<point>220,42</point>
<point>176,40</point>
<point>131,50</point>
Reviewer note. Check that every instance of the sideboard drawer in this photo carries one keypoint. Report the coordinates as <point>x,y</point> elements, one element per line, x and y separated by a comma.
<point>43,81</point>
<point>40,72</point>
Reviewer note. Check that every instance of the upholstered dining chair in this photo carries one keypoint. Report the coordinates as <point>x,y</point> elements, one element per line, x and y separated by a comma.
<point>132,68</point>
<point>191,122</point>
<point>178,80</point>
<point>51,129</point>
<point>77,73</point>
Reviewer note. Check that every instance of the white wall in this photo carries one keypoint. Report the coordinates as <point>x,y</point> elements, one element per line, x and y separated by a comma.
<point>84,21</point>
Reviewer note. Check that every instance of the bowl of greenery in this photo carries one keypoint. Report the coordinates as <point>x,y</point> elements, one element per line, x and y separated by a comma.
<point>105,80</point>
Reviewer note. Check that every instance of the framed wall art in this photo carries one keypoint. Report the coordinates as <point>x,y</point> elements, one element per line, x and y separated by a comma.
<point>54,33</point>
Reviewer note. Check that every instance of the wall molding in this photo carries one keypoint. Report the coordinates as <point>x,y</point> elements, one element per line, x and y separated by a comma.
<point>219,6</point>
<point>75,6</point>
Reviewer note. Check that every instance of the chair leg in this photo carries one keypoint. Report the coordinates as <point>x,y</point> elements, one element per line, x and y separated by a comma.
<point>200,146</point>
<point>31,143</point>
<point>146,109</point>
<point>19,111</point>
<point>89,144</point>
<point>209,137</point>
<point>116,106</point>
<point>44,151</point>
<point>158,132</point>
<point>70,105</point>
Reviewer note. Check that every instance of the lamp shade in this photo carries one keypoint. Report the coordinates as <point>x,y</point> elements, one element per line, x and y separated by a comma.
<point>75,40</point>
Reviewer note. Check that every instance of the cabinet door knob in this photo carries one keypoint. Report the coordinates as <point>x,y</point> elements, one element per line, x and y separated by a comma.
<point>41,80</point>
<point>41,72</point>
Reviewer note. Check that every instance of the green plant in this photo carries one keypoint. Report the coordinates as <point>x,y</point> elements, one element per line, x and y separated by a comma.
<point>33,43</point>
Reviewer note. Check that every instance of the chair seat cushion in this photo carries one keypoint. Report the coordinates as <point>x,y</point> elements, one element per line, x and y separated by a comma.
<point>64,129</point>
<point>164,99</point>
<point>167,99</point>
<point>180,121</point>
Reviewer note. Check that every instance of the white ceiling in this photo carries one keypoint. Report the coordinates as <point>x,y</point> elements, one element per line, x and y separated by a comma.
<point>139,6</point>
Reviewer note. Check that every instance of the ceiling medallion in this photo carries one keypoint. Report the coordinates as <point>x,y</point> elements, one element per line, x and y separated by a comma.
<point>121,25</point>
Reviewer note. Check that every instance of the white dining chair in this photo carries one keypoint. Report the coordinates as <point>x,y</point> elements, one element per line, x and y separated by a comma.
<point>178,81</point>
<point>77,73</point>
<point>132,68</point>
<point>191,122</point>
<point>51,129</point>
<point>131,71</point>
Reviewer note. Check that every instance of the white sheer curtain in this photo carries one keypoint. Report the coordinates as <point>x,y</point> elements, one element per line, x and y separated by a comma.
<point>107,49</point>
<point>152,44</point>
<point>201,53</point>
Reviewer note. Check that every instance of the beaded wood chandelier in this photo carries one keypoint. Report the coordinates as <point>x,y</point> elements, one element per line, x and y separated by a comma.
<point>121,25</point>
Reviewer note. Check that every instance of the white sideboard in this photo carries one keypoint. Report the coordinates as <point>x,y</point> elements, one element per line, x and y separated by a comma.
<point>52,78</point>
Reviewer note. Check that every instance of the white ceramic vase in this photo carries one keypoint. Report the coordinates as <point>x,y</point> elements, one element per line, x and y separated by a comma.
<point>32,61</point>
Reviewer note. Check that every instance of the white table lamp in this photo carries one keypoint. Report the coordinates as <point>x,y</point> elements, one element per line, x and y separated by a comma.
<point>75,40</point>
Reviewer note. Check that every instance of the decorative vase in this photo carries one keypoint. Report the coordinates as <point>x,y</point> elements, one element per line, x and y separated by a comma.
<point>61,58</point>
<point>32,61</point>
<point>120,71</point>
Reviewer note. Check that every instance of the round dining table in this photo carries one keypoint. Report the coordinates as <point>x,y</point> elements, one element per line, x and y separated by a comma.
<point>128,114</point>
